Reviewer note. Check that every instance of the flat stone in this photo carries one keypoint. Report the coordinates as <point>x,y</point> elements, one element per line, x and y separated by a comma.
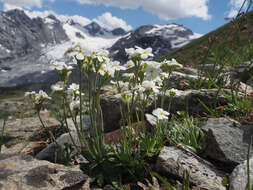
<point>174,161</point>
<point>21,130</point>
<point>23,172</point>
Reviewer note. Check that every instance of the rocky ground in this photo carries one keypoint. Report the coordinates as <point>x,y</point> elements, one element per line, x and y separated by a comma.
<point>27,159</point>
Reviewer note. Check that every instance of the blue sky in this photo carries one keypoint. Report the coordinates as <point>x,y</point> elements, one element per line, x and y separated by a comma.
<point>201,16</point>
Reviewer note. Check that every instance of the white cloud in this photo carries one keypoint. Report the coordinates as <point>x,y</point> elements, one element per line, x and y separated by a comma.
<point>235,6</point>
<point>28,4</point>
<point>110,22</point>
<point>7,7</point>
<point>165,9</point>
<point>106,20</point>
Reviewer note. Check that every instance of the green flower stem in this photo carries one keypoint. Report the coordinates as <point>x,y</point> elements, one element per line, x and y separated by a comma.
<point>52,138</point>
<point>81,103</point>
<point>66,123</point>
<point>2,134</point>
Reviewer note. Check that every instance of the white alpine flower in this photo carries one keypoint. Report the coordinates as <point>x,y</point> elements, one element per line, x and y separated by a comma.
<point>101,55</point>
<point>164,75</point>
<point>73,88</point>
<point>128,75</point>
<point>131,52</point>
<point>41,96</point>
<point>79,54</point>
<point>117,66</point>
<point>102,69</point>
<point>173,92</point>
<point>126,96</point>
<point>129,64</point>
<point>59,66</point>
<point>74,105</point>
<point>32,93</point>
<point>171,63</point>
<point>144,53</point>
<point>152,69</point>
<point>160,114</point>
<point>58,87</point>
<point>149,86</point>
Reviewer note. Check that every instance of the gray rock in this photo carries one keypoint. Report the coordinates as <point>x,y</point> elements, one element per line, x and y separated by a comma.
<point>86,123</point>
<point>182,101</point>
<point>176,77</point>
<point>173,161</point>
<point>55,152</point>
<point>22,130</point>
<point>239,177</point>
<point>227,141</point>
<point>189,100</point>
<point>151,119</point>
<point>244,71</point>
<point>19,172</point>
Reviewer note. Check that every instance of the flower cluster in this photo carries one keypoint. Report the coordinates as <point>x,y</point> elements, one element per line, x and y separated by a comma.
<point>63,70</point>
<point>139,52</point>
<point>37,98</point>
<point>146,78</point>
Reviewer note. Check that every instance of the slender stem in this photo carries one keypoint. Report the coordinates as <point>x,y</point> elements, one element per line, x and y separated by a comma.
<point>66,123</point>
<point>43,125</point>
<point>2,134</point>
<point>80,97</point>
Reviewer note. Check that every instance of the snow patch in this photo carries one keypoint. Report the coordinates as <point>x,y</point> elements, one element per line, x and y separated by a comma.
<point>2,48</point>
<point>89,43</point>
<point>195,36</point>
<point>49,20</point>
<point>179,42</point>
<point>168,29</point>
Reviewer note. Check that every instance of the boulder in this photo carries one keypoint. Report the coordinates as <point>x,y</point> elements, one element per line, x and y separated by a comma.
<point>55,152</point>
<point>183,101</point>
<point>244,71</point>
<point>227,141</point>
<point>23,172</point>
<point>239,177</point>
<point>173,161</point>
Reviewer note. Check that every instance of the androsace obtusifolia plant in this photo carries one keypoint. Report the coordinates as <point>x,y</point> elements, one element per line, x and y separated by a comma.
<point>139,87</point>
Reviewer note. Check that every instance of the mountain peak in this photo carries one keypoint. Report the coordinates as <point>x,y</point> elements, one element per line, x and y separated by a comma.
<point>161,38</point>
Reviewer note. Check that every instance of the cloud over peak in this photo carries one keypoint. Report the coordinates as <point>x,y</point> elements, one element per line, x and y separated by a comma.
<point>110,22</point>
<point>27,4</point>
<point>165,9</point>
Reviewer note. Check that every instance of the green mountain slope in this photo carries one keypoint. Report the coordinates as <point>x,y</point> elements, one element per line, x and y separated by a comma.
<point>230,44</point>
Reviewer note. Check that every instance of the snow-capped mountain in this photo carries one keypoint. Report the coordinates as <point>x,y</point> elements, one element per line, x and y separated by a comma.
<point>29,46</point>
<point>161,38</point>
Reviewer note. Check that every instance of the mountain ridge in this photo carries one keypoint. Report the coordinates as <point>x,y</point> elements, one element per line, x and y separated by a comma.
<point>29,45</point>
